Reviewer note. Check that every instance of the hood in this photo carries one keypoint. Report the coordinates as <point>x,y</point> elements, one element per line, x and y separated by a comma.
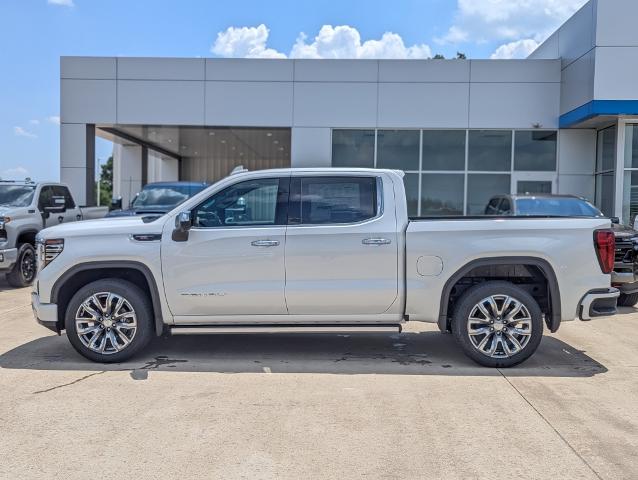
<point>103,226</point>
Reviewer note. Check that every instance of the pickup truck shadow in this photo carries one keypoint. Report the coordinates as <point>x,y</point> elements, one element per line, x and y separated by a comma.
<point>423,353</point>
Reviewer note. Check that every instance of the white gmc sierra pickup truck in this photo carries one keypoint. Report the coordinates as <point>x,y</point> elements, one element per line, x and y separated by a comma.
<point>320,250</point>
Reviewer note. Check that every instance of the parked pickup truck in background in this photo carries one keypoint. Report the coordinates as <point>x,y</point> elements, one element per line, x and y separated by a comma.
<point>625,273</point>
<point>320,250</point>
<point>158,198</point>
<point>25,209</point>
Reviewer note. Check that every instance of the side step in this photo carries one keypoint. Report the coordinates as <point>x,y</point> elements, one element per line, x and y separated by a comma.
<point>352,328</point>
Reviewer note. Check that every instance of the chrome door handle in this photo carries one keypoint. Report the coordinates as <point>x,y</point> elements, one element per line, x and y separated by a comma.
<point>264,243</point>
<point>376,241</point>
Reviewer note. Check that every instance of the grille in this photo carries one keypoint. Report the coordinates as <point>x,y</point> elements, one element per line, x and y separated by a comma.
<point>624,251</point>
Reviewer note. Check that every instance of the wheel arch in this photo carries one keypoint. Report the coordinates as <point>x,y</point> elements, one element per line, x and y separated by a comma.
<point>553,309</point>
<point>78,275</point>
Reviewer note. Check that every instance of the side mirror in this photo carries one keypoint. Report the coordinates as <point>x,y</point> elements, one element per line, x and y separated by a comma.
<point>183,223</point>
<point>116,203</point>
<point>615,220</point>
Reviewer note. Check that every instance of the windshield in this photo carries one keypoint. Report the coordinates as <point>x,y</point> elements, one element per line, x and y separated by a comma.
<point>557,207</point>
<point>164,197</point>
<point>16,195</point>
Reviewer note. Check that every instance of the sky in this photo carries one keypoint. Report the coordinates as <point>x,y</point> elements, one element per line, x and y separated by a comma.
<point>35,33</point>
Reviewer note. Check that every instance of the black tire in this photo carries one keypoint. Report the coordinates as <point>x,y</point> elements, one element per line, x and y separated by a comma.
<point>466,306</point>
<point>26,267</point>
<point>628,299</point>
<point>141,307</point>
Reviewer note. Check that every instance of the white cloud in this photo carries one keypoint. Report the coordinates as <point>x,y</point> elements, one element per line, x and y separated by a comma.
<point>15,173</point>
<point>244,42</point>
<point>21,132</point>
<point>344,41</point>
<point>341,41</point>
<point>492,20</point>
<point>55,119</point>
<point>518,49</point>
<point>62,3</point>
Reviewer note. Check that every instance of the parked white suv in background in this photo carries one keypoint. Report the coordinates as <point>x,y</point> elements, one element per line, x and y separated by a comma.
<point>320,250</point>
<point>27,207</point>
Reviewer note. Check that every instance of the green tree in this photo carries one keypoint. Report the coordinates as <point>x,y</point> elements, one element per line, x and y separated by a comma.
<point>461,56</point>
<point>106,182</point>
<point>438,56</point>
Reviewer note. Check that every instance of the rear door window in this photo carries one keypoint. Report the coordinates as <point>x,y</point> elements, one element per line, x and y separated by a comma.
<point>325,200</point>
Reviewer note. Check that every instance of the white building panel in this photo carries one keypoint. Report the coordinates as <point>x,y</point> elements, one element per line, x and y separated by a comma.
<point>311,147</point>
<point>73,145</point>
<point>576,151</point>
<point>335,104</point>
<point>423,105</point>
<point>514,105</point>
<point>616,23</point>
<point>249,103</point>
<point>160,102</point>
<point>581,185</point>
<point>577,87</point>
<point>616,73</point>
<point>249,69</point>
<point>515,71</point>
<point>576,37</point>
<point>75,178</point>
<point>424,71</point>
<point>87,101</point>
<point>132,68</point>
<point>336,70</point>
<point>88,67</point>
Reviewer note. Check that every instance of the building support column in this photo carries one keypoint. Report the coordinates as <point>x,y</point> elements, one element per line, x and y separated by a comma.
<point>144,165</point>
<point>620,168</point>
<point>77,160</point>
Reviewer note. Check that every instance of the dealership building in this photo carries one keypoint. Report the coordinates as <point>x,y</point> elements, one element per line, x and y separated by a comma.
<point>564,120</point>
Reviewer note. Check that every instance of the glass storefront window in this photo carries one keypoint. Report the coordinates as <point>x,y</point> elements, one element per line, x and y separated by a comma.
<point>411,182</point>
<point>630,197</point>
<point>443,149</point>
<point>353,148</point>
<point>398,149</point>
<point>490,150</point>
<point>606,153</point>
<point>605,192</point>
<point>482,187</point>
<point>631,146</point>
<point>535,151</point>
<point>442,194</point>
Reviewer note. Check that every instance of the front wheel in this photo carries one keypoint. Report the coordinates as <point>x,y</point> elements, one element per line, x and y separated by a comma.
<point>23,272</point>
<point>109,320</point>
<point>498,324</point>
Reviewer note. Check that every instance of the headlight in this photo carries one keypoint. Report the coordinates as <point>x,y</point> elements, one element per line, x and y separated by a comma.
<point>48,250</point>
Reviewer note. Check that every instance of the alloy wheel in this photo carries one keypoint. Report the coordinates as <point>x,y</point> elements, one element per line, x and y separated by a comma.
<point>106,323</point>
<point>499,326</point>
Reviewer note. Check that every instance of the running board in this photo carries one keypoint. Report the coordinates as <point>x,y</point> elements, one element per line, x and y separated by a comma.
<point>211,329</point>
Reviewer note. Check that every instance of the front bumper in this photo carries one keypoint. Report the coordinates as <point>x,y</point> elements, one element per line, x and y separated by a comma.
<point>600,302</point>
<point>8,257</point>
<point>46,314</point>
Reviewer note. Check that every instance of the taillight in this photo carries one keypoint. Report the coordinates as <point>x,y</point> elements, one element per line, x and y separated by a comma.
<point>605,244</point>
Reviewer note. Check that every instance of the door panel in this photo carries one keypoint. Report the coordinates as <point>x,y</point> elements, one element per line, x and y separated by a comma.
<point>233,260</point>
<point>335,265</point>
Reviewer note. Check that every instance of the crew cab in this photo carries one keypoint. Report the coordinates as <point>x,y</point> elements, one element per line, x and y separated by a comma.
<point>625,273</point>
<point>320,250</point>
<point>27,207</point>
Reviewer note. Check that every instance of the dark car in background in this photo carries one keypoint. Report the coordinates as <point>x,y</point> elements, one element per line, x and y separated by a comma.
<point>158,198</point>
<point>625,274</point>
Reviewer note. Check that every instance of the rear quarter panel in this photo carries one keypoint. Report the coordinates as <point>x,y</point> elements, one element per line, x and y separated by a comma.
<point>566,244</point>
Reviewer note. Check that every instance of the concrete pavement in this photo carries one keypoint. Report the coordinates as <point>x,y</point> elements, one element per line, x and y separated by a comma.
<point>322,406</point>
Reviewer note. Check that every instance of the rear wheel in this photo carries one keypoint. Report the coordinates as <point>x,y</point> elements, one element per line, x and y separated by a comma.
<point>23,272</point>
<point>109,320</point>
<point>498,324</point>
<point>628,299</point>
